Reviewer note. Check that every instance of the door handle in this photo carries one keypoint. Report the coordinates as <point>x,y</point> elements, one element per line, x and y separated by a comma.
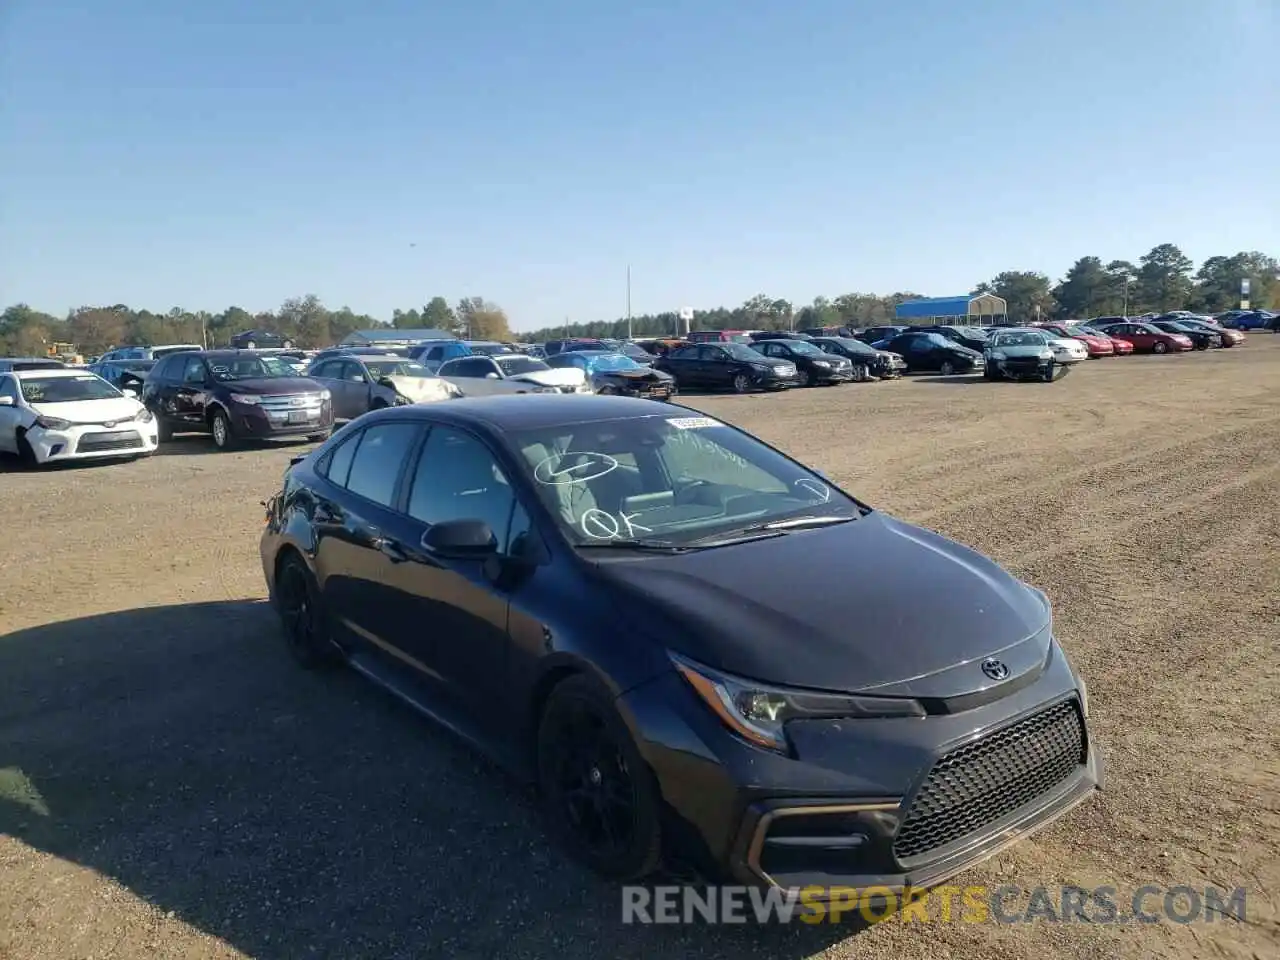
<point>390,549</point>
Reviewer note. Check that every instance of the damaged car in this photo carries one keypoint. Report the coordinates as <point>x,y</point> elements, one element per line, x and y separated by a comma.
<point>618,374</point>
<point>363,382</point>
<point>1023,355</point>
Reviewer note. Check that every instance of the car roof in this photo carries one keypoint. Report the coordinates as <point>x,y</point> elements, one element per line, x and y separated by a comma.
<point>53,372</point>
<point>534,411</point>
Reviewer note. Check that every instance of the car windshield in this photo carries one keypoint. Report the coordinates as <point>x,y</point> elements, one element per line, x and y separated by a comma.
<point>66,389</point>
<point>517,364</point>
<point>853,346</point>
<point>250,368</point>
<point>1018,339</point>
<point>670,480</point>
<point>611,361</point>
<point>740,351</point>
<point>938,340</point>
<point>631,350</point>
<point>489,349</point>
<point>396,368</point>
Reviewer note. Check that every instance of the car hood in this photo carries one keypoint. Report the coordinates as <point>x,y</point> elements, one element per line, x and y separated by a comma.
<point>91,411</point>
<point>555,377</point>
<point>966,351</point>
<point>871,605</point>
<point>646,373</point>
<point>1022,350</point>
<point>272,386</point>
<point>423,389</point>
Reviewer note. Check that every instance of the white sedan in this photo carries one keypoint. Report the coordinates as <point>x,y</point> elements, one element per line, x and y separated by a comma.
<point>509,373</point>
<point>55,415</point>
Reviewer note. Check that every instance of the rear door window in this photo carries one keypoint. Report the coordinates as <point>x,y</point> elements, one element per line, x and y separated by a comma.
<point>376,465</point>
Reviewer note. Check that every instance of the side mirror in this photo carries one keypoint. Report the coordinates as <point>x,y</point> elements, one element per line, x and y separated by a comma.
<point>460,540</point>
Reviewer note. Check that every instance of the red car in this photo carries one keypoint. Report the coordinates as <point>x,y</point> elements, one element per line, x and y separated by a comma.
<point>1148,338</point>
<point>1098,346</point>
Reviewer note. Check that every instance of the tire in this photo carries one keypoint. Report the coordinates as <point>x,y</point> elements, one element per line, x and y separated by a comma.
<point>991,372</point>
<point>803,379</point>
<point>741,383</point>
<point>302,615</point>
<point>1202,344</point>
<point>1048,375</point>
<point>947,369</point>
<point>224,437</point>
<point>321,437</point>
<point>164,429</point>
<point>1160,347</point>
<point>26,456</point>
<point>598,796</point>
<point>378,405</point>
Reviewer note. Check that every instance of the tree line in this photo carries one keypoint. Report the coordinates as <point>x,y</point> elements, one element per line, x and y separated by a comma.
<point>1163,279</point>
<point>25,331</point>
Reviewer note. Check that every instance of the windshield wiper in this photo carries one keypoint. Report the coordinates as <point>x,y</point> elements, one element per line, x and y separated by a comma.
<point>634,543</point>
<point>767,528</point>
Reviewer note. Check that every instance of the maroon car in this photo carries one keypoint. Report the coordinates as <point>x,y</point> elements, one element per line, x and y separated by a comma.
<point>1148,338</point>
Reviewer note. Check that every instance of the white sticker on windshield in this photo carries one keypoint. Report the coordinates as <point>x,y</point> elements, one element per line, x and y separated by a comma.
<point>563,468</point>
<point>693,423</point>
<point>218,369</point>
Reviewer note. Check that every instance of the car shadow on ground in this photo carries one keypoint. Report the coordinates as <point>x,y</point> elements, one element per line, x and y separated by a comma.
<point>966,379</point>
<point>196,444</point>
<point>180,751</point>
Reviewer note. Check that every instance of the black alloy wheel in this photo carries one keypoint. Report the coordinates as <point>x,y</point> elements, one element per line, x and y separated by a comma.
<point>301,615</point>
<point>597,793</point>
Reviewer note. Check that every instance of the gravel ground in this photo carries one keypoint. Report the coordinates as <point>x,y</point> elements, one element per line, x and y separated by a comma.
<point>170,785</point>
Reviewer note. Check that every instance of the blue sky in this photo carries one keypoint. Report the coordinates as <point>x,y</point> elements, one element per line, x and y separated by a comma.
<point>243,151</point>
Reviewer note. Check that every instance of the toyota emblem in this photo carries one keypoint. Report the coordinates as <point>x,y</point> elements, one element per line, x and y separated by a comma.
<point>109,423</point>
<point>995,669</point>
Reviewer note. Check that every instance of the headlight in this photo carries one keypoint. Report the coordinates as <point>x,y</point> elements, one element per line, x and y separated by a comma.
<point>144,416</point>
<point>825,365</point>
<point>997,354</point>
<point>1084,695</point>
<point>325,394</point>
<point>546,389</point>
<point>1046,354</point>
<point>53,423</point>
<point>758,713</point>
<point>245,398</point>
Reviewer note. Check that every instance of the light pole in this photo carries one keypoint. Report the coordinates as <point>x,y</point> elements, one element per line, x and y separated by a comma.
<point>628,301</point>
<point>1127,280</point>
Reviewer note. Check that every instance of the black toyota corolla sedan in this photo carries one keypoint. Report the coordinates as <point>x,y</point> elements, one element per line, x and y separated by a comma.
<point>695,646</point>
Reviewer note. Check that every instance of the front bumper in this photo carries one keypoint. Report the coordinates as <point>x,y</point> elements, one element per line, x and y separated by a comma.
<point>842,374</point>
<point>1023,367</point>
<point>253,422</point>
<point>868,802</point>
<point>130,438</point>
<point>773,381</point>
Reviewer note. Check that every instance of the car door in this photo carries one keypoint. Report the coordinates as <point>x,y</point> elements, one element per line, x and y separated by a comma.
<point>681,363</point>
<point>1140,337</point>
<point>353,509</point>
<point>326,373</point>
<point>10,412</point>
<point>914,348</point>
<point>450,620</point>
<point>190,395</point>
<point>357,391</point>
<point>715,367</point>
<point>473,377</point>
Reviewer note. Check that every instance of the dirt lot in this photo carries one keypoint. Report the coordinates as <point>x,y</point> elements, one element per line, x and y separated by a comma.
<point>170,785</point>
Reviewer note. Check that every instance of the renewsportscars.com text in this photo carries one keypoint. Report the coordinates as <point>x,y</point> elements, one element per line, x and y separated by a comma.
<point>1008,904</point>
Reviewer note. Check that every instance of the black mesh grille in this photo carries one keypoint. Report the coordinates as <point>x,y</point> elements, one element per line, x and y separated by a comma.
<point>120,440</point>
<point>979,783</point>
